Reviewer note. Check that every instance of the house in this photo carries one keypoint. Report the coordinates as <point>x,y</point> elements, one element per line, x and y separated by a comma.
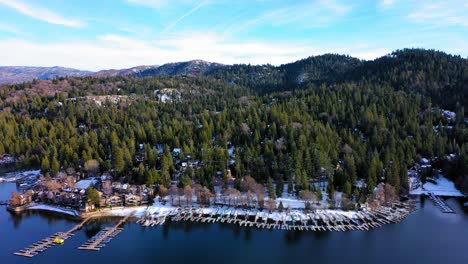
<point>176,152</point>
<point>87,207</point>
<point>132,200</point>
<point>114,200</point>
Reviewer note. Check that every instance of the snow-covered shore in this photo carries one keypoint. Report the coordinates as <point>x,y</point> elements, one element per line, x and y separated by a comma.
<point>17,175</point>
<point>443,187</point>
<point>44,207</point>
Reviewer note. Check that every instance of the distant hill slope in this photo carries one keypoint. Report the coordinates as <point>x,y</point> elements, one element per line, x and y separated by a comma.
<point>135,71</point>
<point>440,76</point>
<point>16,74</point>
<point>189,68</point>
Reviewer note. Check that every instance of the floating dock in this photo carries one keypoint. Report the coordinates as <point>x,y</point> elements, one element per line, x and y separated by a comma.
<point>100,240</point>
<point>441,204</point>
<point>48,242</point>
<point>318,220</point>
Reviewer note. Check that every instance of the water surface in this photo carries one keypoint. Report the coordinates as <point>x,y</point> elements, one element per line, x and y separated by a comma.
<point>426,236</point>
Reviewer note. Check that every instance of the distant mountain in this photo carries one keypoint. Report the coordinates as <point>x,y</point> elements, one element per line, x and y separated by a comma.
<point>189,68</point>
<point>135,71</point>
<point>440,76</point>
<point>16,74</point>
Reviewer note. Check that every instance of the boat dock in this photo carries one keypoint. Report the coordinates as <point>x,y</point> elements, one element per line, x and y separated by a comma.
<point>48,242</point>
<point>100,240</point>
<point>317,220</point>
<point>441,204</point>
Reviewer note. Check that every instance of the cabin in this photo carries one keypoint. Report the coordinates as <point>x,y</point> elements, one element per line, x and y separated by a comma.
<point>132,200</point>
<point>115,200</point>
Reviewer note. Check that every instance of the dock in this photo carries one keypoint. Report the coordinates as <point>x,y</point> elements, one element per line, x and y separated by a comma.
<point>441,204</point>
<point>100,240</point>
<point>48,242</point>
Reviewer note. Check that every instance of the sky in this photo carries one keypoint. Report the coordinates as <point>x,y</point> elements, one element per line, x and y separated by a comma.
<point>111,34</point>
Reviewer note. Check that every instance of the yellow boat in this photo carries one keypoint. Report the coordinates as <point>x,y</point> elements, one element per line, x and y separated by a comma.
<point>59,241</point>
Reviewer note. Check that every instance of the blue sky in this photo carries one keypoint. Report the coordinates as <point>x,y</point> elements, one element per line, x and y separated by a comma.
<point>102,34</point>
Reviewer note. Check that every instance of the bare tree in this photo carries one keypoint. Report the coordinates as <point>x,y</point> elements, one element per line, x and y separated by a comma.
<point>70,181</point>
<point>52,185</point>
<point>15,199</point>
<point>188,192</point>
<point>162,191</point>
<point>248,184</point>
<point>173,192</point>
<point>306,196</point>
<point>180,193</point>
<point>204,196</point>
<point>271,205</point>
<point>91,166</point>
<point>260,191</point>
<point>390,193</point>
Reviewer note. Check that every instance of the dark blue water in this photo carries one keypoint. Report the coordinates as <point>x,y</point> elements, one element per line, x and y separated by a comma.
<point>427,236</point>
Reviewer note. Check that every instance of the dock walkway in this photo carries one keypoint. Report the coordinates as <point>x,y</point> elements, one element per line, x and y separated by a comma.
<point>48,242</point>
<point>102,238</point>
<point>441,204</point>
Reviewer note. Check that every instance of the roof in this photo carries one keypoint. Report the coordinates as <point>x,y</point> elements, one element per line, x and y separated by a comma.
<point>85,184</point>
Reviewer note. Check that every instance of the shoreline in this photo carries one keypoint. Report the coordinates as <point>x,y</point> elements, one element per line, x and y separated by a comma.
<point>315,220</point>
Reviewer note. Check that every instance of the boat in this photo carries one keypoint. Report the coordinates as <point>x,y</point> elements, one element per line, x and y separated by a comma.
<point>58,240</point>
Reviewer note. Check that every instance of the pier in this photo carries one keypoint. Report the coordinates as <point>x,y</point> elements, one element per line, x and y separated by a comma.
<point>100,240</point>
<point>441,204</point>
<point>317,220</point>
<point>48,242</point>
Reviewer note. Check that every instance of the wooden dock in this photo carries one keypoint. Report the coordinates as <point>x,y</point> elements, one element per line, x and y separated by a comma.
<point>48,242</point>
<point>100,240</point>
<point>441,204</point>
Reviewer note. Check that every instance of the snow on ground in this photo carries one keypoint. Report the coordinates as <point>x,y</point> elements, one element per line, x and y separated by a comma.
<point>444,187</point>
<point>124,211</point>
<point>291,203</point>
<point>16,175</point>
<point>53,209</point>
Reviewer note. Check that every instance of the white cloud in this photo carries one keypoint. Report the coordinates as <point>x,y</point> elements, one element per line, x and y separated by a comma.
<point>115,51</point>
<point>40,13</point>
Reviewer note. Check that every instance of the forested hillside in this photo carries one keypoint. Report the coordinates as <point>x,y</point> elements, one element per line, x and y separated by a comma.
<point>344,120</point>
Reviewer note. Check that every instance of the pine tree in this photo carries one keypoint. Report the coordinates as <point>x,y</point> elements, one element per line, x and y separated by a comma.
<point>45,164</point>
<point>119,162</point>
<point>271,189</point>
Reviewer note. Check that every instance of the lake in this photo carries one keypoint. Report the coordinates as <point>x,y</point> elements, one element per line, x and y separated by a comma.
<point>426,236</point>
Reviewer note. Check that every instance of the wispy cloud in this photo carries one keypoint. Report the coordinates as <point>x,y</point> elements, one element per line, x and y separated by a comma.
<point>441,13</point>
<point>10,29</point>
<point>41,13</point>
<point>312,14</point>
<point>387,3</point>
<point>149,3</point>
<point>191,11</point>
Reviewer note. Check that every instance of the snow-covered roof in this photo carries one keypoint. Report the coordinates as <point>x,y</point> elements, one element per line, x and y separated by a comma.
<point>176,151</point>
<point>85,184</point>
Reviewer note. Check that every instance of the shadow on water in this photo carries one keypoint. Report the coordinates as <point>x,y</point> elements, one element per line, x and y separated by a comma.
<point>50,218</point>
<point>92,229</point>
